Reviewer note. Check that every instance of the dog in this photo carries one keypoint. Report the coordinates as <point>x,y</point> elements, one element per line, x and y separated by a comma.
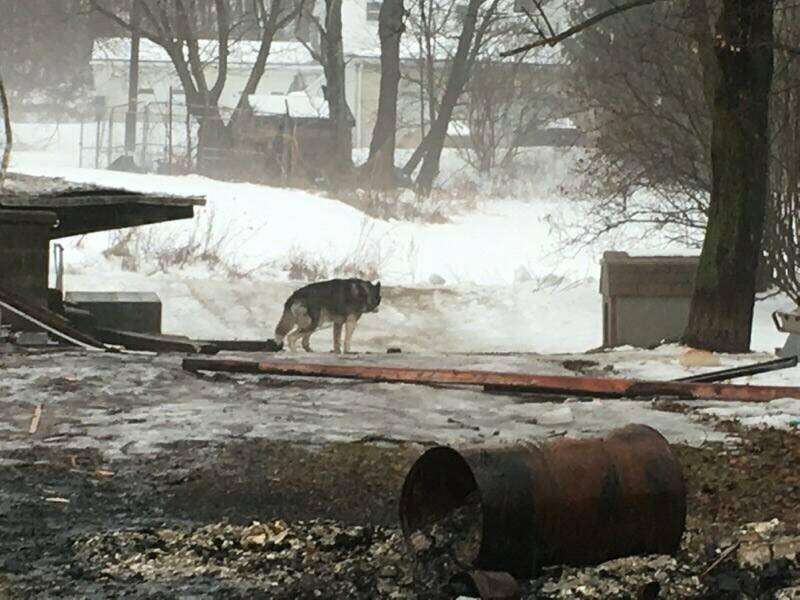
<point>338,301</point>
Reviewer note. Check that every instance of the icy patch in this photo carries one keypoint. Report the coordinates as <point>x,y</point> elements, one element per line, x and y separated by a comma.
<point>778,414</point>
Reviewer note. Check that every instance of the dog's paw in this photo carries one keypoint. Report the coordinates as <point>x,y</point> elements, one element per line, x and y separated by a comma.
<point>273,346</point>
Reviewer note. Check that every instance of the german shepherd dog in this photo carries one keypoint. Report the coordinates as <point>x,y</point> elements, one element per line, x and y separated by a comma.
<point>338,301</point>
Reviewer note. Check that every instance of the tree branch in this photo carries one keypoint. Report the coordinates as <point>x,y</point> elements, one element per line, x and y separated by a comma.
<point>223,37</point>
<point>125,24</point>
<point>553,40</point>
<point>196,65</point>
<point>544,16</point>
<point>9,136</point>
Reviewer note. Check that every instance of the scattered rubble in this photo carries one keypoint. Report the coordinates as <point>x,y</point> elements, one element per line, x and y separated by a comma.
<point>324,559</point>
<point>449,547</point>
<point>315,559</point>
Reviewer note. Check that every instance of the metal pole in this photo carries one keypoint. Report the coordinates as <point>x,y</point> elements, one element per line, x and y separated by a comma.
<point>110,149</point>
<point>169,128</point>
<point>80,147</point>
<point>145,126</point>
<point>97,140</point>
<point>188,134</point>
<point>133,82</point>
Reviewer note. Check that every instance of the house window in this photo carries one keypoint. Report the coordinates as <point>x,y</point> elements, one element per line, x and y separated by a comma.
<point>460,12</point>
<point>373,11</point>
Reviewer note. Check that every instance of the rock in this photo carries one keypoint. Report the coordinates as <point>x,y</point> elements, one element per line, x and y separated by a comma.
<point>790,593</point>
<point>435,279</point>
<point>698,358</point>
<point>419,541</point>
<point>559,416</point>
<point>764,529</point>
<point>786,547</point>
<point>755,554</point>
<point>388,572</point>
<point>255,540</point>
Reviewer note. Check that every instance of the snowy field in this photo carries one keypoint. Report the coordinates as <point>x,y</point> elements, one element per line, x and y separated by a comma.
<point>504,280</point>
<point>496,277</point>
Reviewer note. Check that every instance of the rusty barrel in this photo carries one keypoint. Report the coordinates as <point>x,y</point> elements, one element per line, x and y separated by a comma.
<point>571,501</point>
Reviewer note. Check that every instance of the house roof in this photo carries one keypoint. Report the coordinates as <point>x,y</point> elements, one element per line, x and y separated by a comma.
<point>287,54</point>
<point>84,208</point>
<point>243,52</point>
<point>296,104</point>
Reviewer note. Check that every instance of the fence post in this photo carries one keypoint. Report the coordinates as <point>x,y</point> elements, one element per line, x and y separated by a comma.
<point>145,126</point>
<point>80,147</point>
<point>169,128</point>
<point>97,142</point>
<point>109,151</point>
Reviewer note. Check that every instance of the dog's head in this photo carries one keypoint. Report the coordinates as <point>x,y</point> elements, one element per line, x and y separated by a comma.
<point>373,296</point>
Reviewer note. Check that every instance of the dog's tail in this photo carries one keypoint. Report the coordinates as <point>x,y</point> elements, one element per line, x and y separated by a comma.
<point>285,325</point>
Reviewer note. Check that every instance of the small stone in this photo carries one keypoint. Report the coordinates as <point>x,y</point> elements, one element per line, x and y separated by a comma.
<point>388,572</point>
<point>419,541</point>
<point>754,555</point>
<point>435,279</point>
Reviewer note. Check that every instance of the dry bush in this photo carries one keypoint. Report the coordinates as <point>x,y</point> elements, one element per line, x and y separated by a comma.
<point>400,204</point>
<point>146,249</point>
<point>364,261</point>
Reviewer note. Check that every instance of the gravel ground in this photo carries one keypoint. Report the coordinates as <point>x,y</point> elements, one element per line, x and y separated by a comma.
<point>243,516</point>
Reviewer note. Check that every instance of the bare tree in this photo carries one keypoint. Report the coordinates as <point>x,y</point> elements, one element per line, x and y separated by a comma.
<point>9,135</point>
<point>478,20</point>
<point>639,80</point>
<point>44,55</point>
<point>380,164</point>
<point>721,314</point>
<point>503,103</point>
<point>173,27</point>
<point>330,54</point>
<point>782,231</point>
<point>738,77</point>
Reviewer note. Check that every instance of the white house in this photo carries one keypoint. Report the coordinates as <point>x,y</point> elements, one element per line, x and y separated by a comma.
<point>290,68</point>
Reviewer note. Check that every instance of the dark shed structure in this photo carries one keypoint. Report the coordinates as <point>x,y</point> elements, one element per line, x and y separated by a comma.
<point>36,210</point>
<point>85,208</point>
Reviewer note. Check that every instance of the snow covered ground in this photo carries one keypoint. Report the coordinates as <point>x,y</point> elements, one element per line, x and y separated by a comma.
<point>509,283</point>
<point>495,278</point>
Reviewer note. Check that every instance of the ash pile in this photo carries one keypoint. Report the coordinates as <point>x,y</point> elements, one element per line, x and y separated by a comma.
<point>325,559</point>
<point>304,559</point>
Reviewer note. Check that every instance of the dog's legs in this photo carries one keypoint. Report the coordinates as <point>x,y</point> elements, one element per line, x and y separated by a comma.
<point>337,338</point>
<point>307,341</point>
<point>349,327</point>
<point>292,340</point>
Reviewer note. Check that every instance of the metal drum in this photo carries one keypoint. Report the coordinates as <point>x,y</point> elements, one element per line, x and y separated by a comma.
<point>571,501</point>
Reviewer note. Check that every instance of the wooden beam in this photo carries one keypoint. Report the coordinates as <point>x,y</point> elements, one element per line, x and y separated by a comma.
<point>82,220</point>
<point>506,382</point>
<point>46,319</point>
<point>244,345</point>
<point>148,342</point>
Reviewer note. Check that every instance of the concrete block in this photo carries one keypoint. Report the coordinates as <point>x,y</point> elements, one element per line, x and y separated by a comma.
<point>139,312</point>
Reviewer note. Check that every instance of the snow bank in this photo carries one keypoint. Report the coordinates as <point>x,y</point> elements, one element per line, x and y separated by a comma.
<point>508,283</point>
<point>778,414</point>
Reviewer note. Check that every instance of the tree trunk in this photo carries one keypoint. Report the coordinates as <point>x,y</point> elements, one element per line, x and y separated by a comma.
<point>382,147</point>
<point>457,78</point>
<point>334,68</point>
<point>213,138</point>
<point>721,312</point>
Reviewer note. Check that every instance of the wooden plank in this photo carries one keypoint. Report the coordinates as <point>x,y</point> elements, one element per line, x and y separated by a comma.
<point>154,343</point>
<point>46,319</point>
<point>745,371</point>
<point>244,345</point>
<point>576,386</point>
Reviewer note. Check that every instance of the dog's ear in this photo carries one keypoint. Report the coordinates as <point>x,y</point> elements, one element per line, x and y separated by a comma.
<point>378,286</point>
